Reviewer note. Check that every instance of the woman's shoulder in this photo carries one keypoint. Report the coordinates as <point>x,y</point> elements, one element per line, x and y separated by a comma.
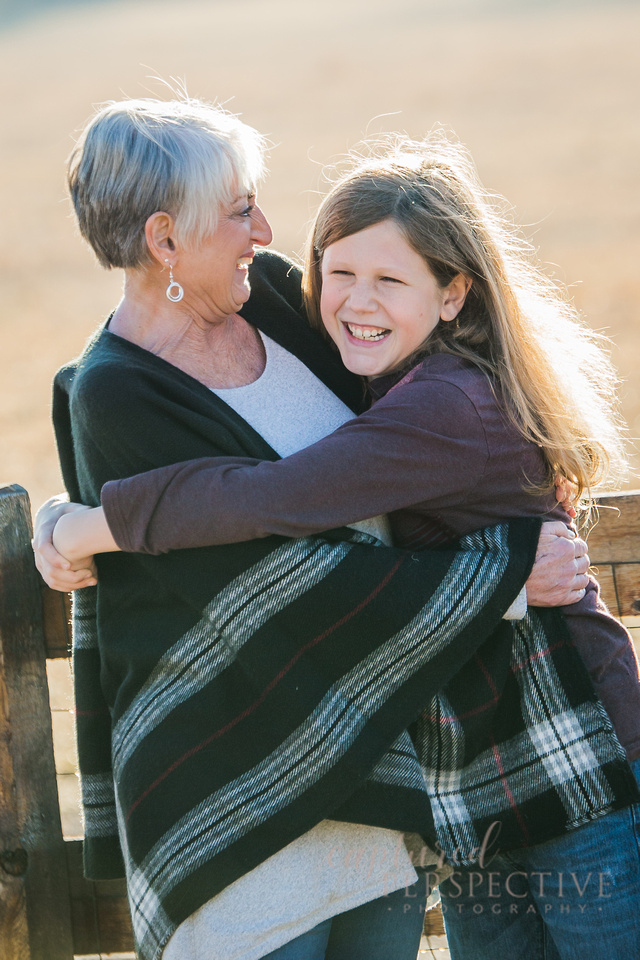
<point>93,355</point>
<point>275,265</point>
<point>276,282</point>
<point>112,375</point>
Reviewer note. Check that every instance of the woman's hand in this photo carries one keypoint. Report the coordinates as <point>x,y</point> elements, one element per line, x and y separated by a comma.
<point>559,574</point>
<point>56,570</point>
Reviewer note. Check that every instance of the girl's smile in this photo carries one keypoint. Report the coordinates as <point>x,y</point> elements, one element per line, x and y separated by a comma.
<point>380,301</point>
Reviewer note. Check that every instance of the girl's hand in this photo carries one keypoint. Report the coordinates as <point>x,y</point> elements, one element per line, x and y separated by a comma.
<point>559,575</point>
<point>566,494</point>
<point>56,570</point>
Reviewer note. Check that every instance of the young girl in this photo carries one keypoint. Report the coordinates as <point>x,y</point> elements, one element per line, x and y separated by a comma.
<point>486,386</point>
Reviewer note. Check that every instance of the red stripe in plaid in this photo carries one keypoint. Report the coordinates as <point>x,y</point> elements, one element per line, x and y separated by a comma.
<point>267,690</point>
<point>510,797</point>
<point>537,656</point>
<point>487,675</point>
<point>450,718</point>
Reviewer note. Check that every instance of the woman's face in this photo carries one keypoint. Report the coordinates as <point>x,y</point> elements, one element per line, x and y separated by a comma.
<point>379,299</point>
<point>214,273</point>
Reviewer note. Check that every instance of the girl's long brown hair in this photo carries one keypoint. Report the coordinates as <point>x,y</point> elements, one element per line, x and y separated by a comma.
<point>554,379</point>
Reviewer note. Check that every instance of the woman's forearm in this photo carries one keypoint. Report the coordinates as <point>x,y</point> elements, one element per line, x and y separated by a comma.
<point>83,534</point>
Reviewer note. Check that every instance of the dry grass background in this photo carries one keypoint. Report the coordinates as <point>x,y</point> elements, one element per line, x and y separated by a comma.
<point>545,95</point>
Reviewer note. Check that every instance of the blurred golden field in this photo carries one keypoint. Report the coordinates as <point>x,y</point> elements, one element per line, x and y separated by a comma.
<point>544,94</point>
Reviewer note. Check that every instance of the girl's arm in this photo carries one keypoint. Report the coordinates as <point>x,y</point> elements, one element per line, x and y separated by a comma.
<point>422,442</point>
<point>82,534</point>
<point>388,458</point>
<point>60,570</point>
<point>372,464</point>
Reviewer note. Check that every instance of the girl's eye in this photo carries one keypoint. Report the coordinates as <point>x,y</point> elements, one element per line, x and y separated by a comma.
<point>391,280</point>
<point>341,273</point>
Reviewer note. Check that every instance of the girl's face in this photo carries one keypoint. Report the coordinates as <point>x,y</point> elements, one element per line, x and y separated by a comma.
<point>379,299</point>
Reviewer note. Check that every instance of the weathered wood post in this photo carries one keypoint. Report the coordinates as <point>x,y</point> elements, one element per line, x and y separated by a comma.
<point>35,921</point>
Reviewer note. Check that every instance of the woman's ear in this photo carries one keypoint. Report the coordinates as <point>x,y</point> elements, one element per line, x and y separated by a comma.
<point>454,297</point>
<point>159,234</point>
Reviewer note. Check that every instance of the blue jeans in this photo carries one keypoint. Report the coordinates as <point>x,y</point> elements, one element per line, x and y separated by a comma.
<point>385,929</point>
<point>573,898</point>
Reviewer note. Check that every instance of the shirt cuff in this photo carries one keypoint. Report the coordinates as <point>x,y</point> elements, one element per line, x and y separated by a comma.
<point>518,608</point>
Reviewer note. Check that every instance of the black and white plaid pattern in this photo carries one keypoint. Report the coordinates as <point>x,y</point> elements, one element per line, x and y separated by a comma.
<point>554,748</point>
<point>562,758</point>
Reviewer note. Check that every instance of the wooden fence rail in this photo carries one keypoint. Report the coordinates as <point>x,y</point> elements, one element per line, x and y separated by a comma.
<point>48,910</point>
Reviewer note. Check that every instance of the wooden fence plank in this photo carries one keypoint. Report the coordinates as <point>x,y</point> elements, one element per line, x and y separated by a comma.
<point>56,611</point>
<point>620,587</point>
<point>14,933</point>
<point>32,862</point>
<point>627,583</point>
<point>100,910</point>
<point>604,575</point>
<point>615,536</point>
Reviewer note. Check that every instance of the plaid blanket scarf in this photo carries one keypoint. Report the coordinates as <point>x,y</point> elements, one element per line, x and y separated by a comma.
<point>230,698</point>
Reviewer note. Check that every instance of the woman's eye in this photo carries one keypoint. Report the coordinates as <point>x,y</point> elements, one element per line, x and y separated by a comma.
<point>250,207</point>
<point>391,280</point>
<point>341,273</point>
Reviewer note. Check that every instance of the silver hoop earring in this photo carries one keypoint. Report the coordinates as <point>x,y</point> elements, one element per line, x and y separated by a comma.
<point>174,291</point>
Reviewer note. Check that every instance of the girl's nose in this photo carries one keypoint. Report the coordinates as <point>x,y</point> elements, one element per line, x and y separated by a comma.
<point>361,298</point>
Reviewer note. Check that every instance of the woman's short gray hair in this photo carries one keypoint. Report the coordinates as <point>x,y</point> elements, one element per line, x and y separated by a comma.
<point>136,157</point>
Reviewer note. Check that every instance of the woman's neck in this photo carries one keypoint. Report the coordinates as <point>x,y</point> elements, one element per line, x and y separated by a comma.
<point>220,352</point>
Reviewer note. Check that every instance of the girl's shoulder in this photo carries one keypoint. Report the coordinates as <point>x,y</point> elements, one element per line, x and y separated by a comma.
<point>444,368</point>
<point>451,387</point>
<point>469,401</point>
<point>456,370</point>
<point>444,395</point>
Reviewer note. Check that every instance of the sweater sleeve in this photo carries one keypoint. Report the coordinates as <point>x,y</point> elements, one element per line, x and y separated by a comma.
<point>102,853</point>
<point>423,443</point>
<point>608,653</point>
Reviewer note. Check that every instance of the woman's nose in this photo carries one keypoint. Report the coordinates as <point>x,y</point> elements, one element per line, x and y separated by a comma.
<point>261,232</point>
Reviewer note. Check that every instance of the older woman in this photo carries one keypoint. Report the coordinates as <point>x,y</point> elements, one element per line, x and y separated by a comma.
<point>231,699</point>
